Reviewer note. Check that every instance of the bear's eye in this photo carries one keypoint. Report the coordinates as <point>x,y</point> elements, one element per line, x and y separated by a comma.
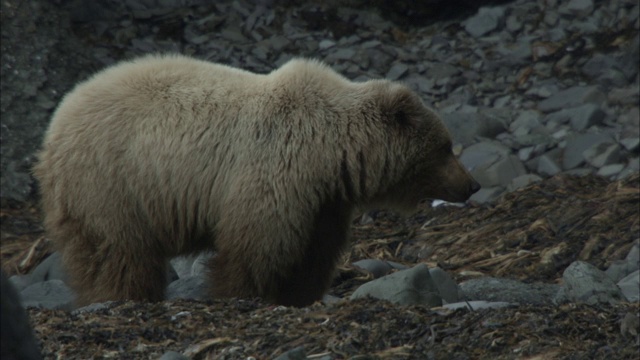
<point>446,148</point>
<point>402,118</point>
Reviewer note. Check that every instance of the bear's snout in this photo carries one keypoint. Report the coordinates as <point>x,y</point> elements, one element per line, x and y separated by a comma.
<point>460,184</point>
<point>464,193</point>
<point>474,187</point>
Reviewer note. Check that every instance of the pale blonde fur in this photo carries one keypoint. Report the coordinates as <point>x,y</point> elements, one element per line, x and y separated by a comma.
<point>168,155</point>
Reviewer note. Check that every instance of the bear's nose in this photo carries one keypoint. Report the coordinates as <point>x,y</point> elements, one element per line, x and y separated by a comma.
<point>474,187</point>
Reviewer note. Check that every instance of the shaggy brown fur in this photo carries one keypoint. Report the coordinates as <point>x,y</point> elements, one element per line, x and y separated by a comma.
<point>167,155</point>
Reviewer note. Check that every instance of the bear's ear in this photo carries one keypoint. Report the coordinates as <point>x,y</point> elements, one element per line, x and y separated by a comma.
<point>402,118</point>
<point>401,106</point>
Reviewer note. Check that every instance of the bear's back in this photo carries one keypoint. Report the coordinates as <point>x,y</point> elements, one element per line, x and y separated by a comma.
<point>153,88</point>
<point>147,127</point>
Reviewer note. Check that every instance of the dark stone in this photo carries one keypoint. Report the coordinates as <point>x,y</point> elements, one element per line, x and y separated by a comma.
<point>17,340</point>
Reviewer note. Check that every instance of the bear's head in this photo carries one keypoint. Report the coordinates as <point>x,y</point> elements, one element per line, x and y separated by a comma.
<point>423,164</point>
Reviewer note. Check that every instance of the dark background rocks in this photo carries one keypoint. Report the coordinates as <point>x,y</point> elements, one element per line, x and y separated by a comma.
<point>555,82</point>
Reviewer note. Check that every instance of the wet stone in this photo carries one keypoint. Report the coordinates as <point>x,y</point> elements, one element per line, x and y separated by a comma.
<point>602,154</point>
<point>572,97</point>
<point>485,21</point>
<point>396,71</point>
<point>573,155</point>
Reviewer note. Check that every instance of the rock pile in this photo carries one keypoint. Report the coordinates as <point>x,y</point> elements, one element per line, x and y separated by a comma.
<point>582,282</point>
<point>529,89</point>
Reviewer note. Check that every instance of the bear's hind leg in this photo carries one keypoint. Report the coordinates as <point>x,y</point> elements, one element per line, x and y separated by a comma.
<point>113,267</point>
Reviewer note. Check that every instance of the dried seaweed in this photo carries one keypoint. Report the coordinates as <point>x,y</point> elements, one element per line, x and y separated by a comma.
<point>531,234</point>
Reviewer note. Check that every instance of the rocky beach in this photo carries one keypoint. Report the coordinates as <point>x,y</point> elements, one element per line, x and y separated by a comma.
<point>541,98</point>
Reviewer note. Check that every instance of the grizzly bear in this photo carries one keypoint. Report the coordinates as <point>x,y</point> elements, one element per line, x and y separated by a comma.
<point>168,155</point>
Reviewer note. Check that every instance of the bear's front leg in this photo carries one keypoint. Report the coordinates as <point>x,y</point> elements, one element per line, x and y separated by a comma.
<point>284,260</point>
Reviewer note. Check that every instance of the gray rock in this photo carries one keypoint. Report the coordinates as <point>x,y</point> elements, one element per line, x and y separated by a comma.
<point>624,96</point>
<point>579,8</point>
<point>577,144</point>
<point>397,266</point>
<point>633,166</point>
<point>172,275</point>
<point>188,287</point>
<point>478,305</point>
<point>514,24</point>
<point>543,91</point>
<point>535,138</point>
<point>20,282</point>
<point>260,52</point>
<point>485,21</point>
<point>572,97</point>
<point>605,68</point>
<point>508,290</point>
<point>633,256</point>
<point>526,153</point>
<point>366,219</point>
<point>526,120</point>
<point>559,117</point>
<point>522,181</point>
<point>579,172</point>
<point>462,126</point>
<point>517,54</point>
<point>50,269</point>
<point>396,71</point>
<point>630,286</point>
<point>631,144</point>
<point>330,299</point>
<point>547,164</point>
<point>200,265</point>
<point>466,127</point>
<point>618,269</point>
<point>50,294</point>
<point>408,287</point>
<point>499,173</point>
<point>234,35</point>
<point>419,83</point>
<point>483,154</point>
<point>631,117</point>
<point>183,264</point>
<point>377,268</point>
<point>439,71</point>
<point>487,195</point>
<point>190,264</point>
<point>561,133</point>
<point>602,154</point>
<point>279,42</point>
<point>16,338</point>
<point>585,116</point>
<point>95,307</point>
<point>294,354</point>
<point>447,288</point>
<point>341,54</point>
<point>326,44</point>
<point>551,18</point>
<point>610,171</point>
<point>621,268</point>
<point>585,283</point>
<point>173,355</point>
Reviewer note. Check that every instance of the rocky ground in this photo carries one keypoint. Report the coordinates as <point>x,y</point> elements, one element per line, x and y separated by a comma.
<point>532,91</point>
<point>530,235</point>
